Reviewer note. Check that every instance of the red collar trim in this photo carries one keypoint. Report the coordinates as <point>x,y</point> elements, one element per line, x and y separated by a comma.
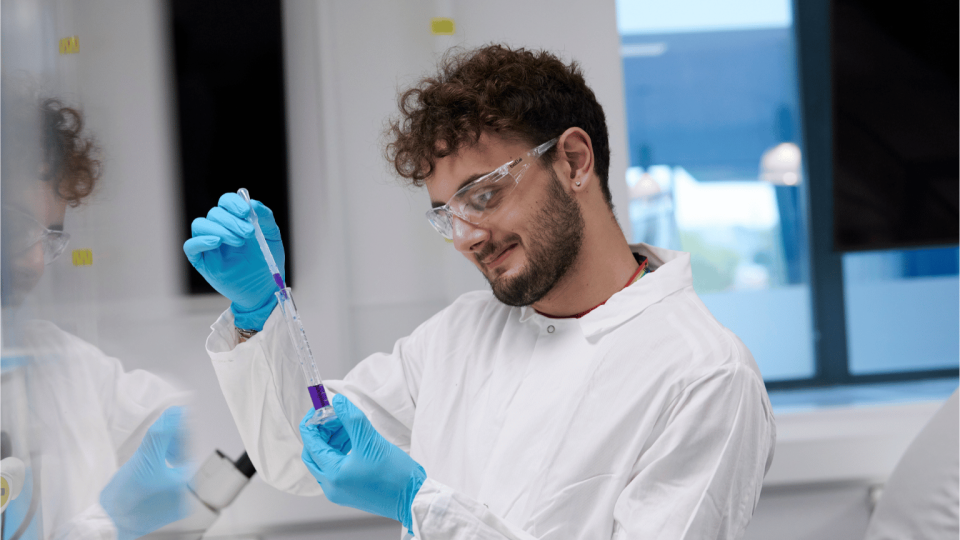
<point>641,270</point>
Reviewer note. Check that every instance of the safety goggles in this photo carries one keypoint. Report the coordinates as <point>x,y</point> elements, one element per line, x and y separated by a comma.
<point>479,199</point>
<point>22,232</point>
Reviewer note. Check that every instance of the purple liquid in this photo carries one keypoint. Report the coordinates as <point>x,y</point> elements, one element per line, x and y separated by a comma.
<point>319,396</point>
<point>279,281</point>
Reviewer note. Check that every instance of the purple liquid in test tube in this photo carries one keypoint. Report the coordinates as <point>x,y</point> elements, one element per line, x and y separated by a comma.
<point>319,397</point>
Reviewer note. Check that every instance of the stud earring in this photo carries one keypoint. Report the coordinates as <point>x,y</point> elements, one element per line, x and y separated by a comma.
<point>578,184</point>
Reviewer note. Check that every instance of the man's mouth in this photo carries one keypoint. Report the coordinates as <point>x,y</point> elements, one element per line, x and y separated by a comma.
<point>495,259</point>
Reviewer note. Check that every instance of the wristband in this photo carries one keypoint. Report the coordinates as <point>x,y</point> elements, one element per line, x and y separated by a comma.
<point>245,334</point>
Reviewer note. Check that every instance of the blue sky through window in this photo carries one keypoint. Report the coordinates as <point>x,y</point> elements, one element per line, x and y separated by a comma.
<point>675,16</point>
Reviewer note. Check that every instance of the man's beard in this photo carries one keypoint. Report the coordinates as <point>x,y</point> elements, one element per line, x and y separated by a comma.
<point>551,252</point>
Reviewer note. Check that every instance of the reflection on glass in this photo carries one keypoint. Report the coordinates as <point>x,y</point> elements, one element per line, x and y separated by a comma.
<point>72,421</point>
<point>901,310</point>
<point>715,161</point>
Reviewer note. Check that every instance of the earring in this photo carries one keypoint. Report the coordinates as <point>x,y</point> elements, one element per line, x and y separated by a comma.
<point>578,184</point>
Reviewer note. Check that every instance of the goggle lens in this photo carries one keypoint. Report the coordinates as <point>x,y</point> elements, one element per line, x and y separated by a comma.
<point>474,202</point>
<point>54,242</point>
<point>478,200</point>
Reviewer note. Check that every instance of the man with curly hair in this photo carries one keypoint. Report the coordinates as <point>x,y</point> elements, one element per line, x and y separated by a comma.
<point>63,161</point>
<point>589,394</point>
<point>99,437</point>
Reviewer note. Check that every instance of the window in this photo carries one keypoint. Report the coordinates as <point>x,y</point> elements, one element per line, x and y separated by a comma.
<point>901,310</point>
<point>709,95</point>
<point>716,152</point>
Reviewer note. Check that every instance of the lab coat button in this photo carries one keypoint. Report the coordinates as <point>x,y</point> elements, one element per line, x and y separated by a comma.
<point>550,329</point>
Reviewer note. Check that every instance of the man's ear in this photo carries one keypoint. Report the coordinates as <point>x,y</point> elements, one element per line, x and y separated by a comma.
<point>575,157</point>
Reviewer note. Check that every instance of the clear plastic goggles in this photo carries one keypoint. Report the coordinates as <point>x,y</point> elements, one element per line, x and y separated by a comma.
<point>479,199</point>
<point>22,232</point>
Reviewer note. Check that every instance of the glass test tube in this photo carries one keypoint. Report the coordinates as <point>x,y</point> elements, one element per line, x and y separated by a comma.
<point>318,395</point>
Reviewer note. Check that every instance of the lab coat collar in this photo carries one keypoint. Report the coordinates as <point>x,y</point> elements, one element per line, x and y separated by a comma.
<point>669,272</point>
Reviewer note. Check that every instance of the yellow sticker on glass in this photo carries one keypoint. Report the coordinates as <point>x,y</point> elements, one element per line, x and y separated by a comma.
<point>70,45</point>
<point>442,26</point>
<point>4,492</point>
<point>82,257</point>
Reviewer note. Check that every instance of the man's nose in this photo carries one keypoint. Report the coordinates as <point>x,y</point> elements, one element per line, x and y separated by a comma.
<point>467,237</point>
<point>32,258</point>
<point>28,267</point>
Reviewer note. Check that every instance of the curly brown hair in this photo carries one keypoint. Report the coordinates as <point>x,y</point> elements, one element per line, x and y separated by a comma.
<point>529,95</point>
<point>69,162</point>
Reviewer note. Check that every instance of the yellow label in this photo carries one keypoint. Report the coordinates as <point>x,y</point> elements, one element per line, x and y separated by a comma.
<point>4,491</point>
<point>441,26</point>
<point>82,257</point>
<point>70,45</point>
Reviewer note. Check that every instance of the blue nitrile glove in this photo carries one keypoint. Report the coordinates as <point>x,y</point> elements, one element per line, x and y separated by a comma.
<point>225,252</point>
<point>335,435</point>
<point>146,493</point>
<point>375,477</point>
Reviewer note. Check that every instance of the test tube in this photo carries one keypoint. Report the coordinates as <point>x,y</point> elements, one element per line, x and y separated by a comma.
<point>323,411</point>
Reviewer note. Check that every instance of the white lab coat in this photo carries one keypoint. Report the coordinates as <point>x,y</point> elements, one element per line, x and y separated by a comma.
<point>89,417</point>
<point>645,418</point>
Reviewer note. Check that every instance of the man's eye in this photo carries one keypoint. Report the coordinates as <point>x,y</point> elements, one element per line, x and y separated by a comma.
<point>486,197</point>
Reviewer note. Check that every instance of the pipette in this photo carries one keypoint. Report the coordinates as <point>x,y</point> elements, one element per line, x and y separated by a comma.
<point>323,411</point>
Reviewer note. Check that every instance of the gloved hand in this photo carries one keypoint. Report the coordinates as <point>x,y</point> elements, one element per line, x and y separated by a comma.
<point>146,493</point>
<point>225,252</point>
<point>375,476</point>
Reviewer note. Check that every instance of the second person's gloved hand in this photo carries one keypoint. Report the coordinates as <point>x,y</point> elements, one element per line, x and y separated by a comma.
<point>225,252</point>
<point>367,472</point>
<point>145,493</point>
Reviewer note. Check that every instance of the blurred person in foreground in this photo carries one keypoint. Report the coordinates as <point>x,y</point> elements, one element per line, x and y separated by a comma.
<point>103,436</point>
<point>588,394</point>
